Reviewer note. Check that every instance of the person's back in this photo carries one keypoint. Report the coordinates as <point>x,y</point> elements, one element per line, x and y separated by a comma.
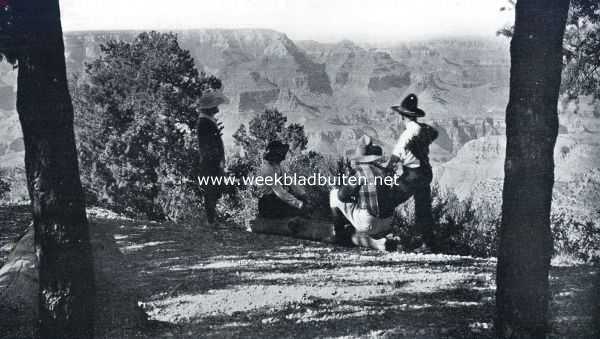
<point>210,143</point>
<point>211,162</point>
<point>374,193</point>
<point>419,145</point>
<point>363,201</point>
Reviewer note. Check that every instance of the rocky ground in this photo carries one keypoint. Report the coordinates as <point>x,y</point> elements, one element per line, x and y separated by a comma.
<point>215,283</point>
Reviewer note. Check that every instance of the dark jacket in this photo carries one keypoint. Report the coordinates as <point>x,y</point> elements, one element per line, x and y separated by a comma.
<point>212,151</point>
<point>419,145</point>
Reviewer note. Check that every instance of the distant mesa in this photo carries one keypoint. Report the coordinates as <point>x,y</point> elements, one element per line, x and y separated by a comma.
<point>338,90</point>
<point>389,81</point>
<point>257,101</point>
<point>341,91</point>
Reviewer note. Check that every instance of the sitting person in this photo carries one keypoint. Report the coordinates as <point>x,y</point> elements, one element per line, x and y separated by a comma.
<point>276,202</point>
<point>364,202</point>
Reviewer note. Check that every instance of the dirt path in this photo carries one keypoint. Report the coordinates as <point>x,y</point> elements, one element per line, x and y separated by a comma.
<point>228,283</point>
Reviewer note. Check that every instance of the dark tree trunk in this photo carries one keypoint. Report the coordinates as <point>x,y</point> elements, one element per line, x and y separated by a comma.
<point>66,277</point>
<point>525,249</point>
<point>596,315</point>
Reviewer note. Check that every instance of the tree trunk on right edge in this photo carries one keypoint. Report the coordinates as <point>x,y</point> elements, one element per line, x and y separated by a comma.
<point>525,250</point>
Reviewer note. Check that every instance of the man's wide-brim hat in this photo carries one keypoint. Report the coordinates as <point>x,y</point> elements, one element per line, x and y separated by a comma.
<point>409,107</point>
<point>276,150</point>
<point>366,152</point>
<point>212,98</point>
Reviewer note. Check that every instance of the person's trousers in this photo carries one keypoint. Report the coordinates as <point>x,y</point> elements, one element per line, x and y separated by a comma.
<point>415,182</point>
<point>211,196</point>
<point>271,207</point>
<point>360,218</point>
<point>210,192</point>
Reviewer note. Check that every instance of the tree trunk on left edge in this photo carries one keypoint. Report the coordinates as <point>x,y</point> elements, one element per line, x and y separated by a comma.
<point>525,250</point>
<point>66,276</point>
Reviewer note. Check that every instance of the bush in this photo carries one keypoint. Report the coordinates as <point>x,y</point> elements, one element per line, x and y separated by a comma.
<point>241,205</point>
<point>13,186</point>
<point>136,109</point>
<point>460,226</point>
<point>4,186</point>
<point>576,237</point>
<point>308,164</point>
<point>468,228</point>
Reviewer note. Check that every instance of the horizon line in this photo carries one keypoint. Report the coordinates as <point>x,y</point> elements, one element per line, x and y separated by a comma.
<point>325,41</point>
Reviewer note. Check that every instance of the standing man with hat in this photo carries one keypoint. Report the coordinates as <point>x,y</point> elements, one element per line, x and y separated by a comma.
<point>364,201</point>
<point>212,151</point>
<point>412,153</point>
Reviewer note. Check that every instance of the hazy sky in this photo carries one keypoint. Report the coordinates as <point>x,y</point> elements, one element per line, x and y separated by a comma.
<point>322,20</point>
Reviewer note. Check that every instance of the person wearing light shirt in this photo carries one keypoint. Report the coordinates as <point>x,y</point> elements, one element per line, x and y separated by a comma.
<point>276,202</point>
<point>411,156</point>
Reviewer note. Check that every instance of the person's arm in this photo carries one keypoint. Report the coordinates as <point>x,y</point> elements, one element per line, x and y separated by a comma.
<point>390,167</point>
<point>280,192</point>
<point>348,193</point>
<point>400,152</point>
<point>298,190</point>
<point>432,133</point>
<point>287,197</point>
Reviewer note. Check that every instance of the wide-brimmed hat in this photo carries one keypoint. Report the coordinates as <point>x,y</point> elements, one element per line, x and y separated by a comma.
<point>276,151</point>
<point>409,107</point>
<point>212,98</point>
<point>366,152</point>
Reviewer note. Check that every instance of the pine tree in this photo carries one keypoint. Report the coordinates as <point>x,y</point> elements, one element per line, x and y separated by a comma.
<point>31,36</point>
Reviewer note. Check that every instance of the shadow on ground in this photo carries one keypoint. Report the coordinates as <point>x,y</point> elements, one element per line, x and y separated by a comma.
<point>230,283</point>
<point>214,283</point>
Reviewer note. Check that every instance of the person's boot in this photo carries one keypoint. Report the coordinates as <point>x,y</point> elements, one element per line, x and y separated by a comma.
<point>393,244</point>
<point>423,249</point>
<point>341,227</point>
<point>210,216</point>
<point>296,225</point>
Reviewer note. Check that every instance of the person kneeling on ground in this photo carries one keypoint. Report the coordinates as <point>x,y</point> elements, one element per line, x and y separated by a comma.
<point>364,202</point>
<point>276,202</point>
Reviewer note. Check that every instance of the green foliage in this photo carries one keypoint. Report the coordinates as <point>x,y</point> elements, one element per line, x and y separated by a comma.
<point>295,136</point>
<point>581,48</point>
<point>460,226</point>
<point>136,108</point>
<point>576,237</point>
<point>9,21</point>
<point>581,45</point>
<point>241,203</point>
<point>267,126</point>
<point>240,207</point>
<point>313,163</point>
<point>264,128</point>
<point>4,186</point>
<point>468,228</point>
